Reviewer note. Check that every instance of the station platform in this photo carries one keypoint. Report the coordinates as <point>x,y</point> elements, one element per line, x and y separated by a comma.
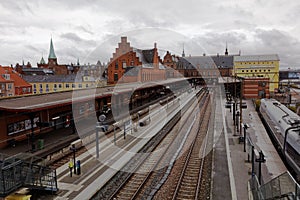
<point>94,174</point>
<point>49,139</point>
<point>113,157</point>
<point>232,171</point>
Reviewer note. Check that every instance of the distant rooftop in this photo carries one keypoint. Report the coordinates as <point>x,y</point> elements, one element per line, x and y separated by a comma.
<point>55,78</point>
<point>246,58</point>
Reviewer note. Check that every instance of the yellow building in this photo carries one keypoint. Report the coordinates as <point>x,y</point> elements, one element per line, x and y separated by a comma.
<point>42,84</point>
<point>258,66</point>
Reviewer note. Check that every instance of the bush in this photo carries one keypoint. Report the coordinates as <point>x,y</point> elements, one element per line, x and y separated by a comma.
<point>257,104</point>
<point>293,108</point>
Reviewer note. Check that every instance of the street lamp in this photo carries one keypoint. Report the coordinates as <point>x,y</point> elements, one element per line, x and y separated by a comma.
<point>237,120</point>
<point>245,126</point>
<point>98,127</point>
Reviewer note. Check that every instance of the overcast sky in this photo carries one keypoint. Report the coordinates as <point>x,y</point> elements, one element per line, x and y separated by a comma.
<point>90,30</point>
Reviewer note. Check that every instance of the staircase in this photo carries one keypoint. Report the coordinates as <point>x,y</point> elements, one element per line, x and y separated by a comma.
<point>25,170</point>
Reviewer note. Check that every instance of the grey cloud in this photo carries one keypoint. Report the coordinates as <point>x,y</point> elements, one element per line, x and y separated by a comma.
<point>75,38</point>
<point>276,38</point>
<point>84,29</point>
<point>32,48</point>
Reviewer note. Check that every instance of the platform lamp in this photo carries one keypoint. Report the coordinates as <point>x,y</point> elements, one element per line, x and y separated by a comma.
<point>245,126</point>
<point>237,120</point>
<point>99,128</point>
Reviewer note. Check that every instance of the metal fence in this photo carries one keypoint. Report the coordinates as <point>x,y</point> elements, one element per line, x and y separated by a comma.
<point>282,187</point>
<point>29,172</point>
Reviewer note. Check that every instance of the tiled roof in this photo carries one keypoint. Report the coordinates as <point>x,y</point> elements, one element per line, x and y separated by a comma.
<point>50,78</point>
<point>16,77</point>
<point>55,78</point>
<point>201,62</point>
<point>222,61</point>
<point>246,58</point>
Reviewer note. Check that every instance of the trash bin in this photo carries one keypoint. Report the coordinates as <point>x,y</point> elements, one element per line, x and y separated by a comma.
<point>78,167</point>
<point>40,144</point>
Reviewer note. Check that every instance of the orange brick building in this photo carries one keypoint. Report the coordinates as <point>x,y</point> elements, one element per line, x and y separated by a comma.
<point>131,65</point>
<point>256,87</point>
<point>11,83</point>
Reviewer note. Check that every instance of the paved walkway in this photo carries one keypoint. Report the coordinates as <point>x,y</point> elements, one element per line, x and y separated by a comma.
<point>231,169</point>
<point>241,168</point>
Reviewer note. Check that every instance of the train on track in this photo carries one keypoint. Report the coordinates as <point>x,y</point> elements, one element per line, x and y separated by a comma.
<point>284,128</point>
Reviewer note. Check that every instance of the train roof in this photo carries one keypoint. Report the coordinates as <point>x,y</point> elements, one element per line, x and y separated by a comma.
<point>281,110</point>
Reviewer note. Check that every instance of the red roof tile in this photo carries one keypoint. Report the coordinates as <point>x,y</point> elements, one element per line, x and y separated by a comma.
<point>14,76</point>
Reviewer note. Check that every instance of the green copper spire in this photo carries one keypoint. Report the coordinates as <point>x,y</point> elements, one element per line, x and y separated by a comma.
<point>42,61</point>
<point>51,54</point>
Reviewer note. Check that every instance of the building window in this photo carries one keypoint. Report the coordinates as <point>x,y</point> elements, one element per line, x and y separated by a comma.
<point>41,86</point>
<point>116,65</point>
<point>29,90</point>
<point>67,85</point>
<point>116,78</point>
<point>242,70</point>
<point>80,85</point>
<point>131,63</point>
<point>55,86</point>
<point>87,85</point>
<point>124,64</point>
<point>9,86</point>
<point>247,70</point>
<point>269,70</point>
<point>73,85</point>
<point>59,85</point>
<point>34,86</point>
<point>24,90</point>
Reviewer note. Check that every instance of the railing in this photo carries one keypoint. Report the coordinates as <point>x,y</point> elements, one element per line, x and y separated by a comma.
<point>29,172</point>
<point>283,186</point>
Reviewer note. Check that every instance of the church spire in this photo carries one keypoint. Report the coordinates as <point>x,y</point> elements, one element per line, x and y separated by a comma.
<point>51,53</point>
<point>42,62</point>
<point>226,50</point>
<point>183,54</point>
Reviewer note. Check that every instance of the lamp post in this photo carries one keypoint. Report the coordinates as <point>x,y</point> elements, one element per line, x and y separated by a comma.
<point>98,127</point>
<point>73,148</point>
<point>245,126</point>
<point>260,160</point>
<point>237,120</point>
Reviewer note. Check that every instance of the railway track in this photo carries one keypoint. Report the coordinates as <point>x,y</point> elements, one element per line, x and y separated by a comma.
<point>188,185</point>
<point>127,185</point>
<point>190,177</point>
